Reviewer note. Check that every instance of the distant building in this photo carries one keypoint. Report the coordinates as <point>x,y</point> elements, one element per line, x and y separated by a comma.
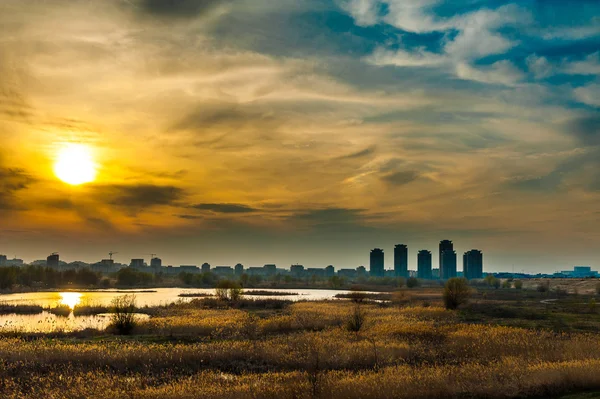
<point>239,269</point>
<point>448,266</point>
<point>14,262</point>
<point>297,270</point>
<point>3,260</point>
<point>270,269</point>
<point>580,272</point>
<point>205,268</point>
<point>424,270</point>
<point>401,261</point>
<point>156,262</point>
<point>473,264</point>
<point>256,271</point>
<point>315,271</point>
<point>189,269</point>
<point>376,265</point>
<point>137,263</point>
<point>435,274</point>
<point>330,271</point>
<point>445,245</point>
<point>109,263</point>
<point>53,261</point>
<point>350,274</point>
<point>224,270</point>
<point>361,271</point>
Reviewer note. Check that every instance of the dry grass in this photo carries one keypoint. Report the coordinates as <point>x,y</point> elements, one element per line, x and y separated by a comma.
<point>303,351</point>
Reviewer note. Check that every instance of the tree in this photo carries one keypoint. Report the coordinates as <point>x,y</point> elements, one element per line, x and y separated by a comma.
<point>518,285</point>
<point>412,282</point>
<point>506,284</point>
<point>456,292</point>
<point>123,314</point>
<point>228,290</point>
<point>335,282</point>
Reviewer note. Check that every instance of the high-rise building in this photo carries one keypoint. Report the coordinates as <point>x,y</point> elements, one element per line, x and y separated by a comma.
<point>270,269</point>
<point>424,265</point>
<point>330,271</point>
<point>205,268</point>
<point>376,266</point>
<point>239,269</point>
<point>3,260</point>
<point>445,245</point>
<point>401,261</point>
<point>297,270</point>
<point>448,265</point>
<point>473,264</point>
<point>156,262</point>
<point>53,261</point>
<point>137,263</point>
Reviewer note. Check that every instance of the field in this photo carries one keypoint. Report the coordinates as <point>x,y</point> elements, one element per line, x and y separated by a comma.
<point>504,343</point>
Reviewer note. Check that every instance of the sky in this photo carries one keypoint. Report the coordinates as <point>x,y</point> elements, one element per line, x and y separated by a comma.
<point>303,131</point>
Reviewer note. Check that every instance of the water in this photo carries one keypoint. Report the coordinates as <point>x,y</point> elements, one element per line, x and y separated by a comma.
<point>47,322</point>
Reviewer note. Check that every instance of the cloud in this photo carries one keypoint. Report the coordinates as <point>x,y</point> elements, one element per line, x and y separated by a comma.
<point>365,12</point>
<point>179,8</point>
<point>588,66</point>
<point>13,180</point>
<point>586,129</point>
<point>501,72</point>
<point>360,154</point>
<point>402,58</point>
<point>539,66</point>
<point>225,208</point>
<point>400,178</point>
<point>138,197</point>
<point>589,94</point>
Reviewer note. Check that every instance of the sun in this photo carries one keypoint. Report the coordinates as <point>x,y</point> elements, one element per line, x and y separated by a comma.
<point>75,164</point>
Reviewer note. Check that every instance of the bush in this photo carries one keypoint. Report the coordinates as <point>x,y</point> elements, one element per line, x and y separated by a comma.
<point>357,319</point>
<point>412,282</point>
<point>456,293</point>
<point>123,314</point>
<point>506,284</point>
<point>228,290</point>
<point>60,310</point>
<point>544,286</point>
<point>518,285</point>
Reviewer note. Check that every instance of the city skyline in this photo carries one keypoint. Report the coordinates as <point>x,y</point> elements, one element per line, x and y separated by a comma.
<point>310,129</point>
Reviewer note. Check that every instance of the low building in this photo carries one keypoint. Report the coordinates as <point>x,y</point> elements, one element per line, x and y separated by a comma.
<point>297,270</point>
<point>137,263</point>
<point>348,273</point>
<point>189,269</point>
<point>224,270</point>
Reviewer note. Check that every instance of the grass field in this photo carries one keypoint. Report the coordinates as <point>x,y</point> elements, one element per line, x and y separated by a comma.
<point>504,343</point>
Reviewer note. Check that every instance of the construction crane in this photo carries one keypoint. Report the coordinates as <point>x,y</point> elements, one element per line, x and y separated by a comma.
<point>111,253</point>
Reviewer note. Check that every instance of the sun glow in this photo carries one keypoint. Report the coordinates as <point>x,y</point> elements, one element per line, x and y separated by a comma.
<point>71,299</point>
<point>75,164</point>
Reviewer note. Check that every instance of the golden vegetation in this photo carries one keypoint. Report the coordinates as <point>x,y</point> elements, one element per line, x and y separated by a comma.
<point>305,350</point>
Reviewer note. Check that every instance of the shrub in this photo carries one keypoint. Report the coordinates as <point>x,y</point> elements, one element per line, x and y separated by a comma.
<point>456,293</point>
<point>123,314</point>
<point>518,285</point>
<point>506,284</point>
<point>228,290</point>
<point>598,288</point>
<point>357,319</point>
<point>544,286</point>
<point>412,282</point>
<point>60,310</point>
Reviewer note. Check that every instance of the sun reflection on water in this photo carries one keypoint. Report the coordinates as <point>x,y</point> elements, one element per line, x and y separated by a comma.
<point>71,299</point>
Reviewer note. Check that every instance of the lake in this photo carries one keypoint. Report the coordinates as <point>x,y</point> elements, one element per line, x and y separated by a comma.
<point>47,322</point>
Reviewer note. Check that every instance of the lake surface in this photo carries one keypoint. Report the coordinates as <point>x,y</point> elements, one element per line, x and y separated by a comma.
<point>47,322</point>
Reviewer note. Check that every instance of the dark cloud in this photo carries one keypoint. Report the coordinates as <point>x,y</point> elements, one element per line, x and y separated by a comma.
<point>222,115</point>
<point>225,208</point>
<point>13,180</point>
<point>13,106</point>
<point>586,129</point>
<point>139,197</point>
<point>360,154</point>
<point>189,217</point>
<point>179,8</point>
<point>330,215</point>
<point>400,178</point>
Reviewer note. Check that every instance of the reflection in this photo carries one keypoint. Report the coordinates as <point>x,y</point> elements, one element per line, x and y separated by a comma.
<point>71,299</point>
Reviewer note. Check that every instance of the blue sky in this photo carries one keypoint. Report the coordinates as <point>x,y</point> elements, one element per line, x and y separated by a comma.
<point>304,131</point>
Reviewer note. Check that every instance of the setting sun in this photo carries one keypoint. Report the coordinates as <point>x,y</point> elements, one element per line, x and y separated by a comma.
<point>75,165</point>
